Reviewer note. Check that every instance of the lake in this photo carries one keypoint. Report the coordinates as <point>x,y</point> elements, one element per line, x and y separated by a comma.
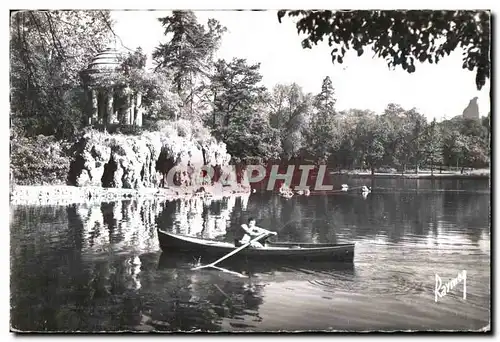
<point>98,267</point>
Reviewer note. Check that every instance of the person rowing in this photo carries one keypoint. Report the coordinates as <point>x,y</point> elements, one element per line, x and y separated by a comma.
<point>251,232</point>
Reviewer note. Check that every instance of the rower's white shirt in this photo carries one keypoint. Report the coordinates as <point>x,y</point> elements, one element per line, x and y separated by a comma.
<point>247,238</point>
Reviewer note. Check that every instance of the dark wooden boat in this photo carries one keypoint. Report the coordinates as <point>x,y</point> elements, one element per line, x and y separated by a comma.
<point>185,260</point>
<point>276,250</point>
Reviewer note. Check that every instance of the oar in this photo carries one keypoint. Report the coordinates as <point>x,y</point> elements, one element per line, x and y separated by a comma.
<point>231,272</point>
<point>232,253</point>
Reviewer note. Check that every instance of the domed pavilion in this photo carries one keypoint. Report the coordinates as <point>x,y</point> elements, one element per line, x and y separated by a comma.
<point>110,103</point>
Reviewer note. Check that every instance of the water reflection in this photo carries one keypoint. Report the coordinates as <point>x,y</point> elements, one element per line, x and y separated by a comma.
<point>235,301</point>
<point>98,267</point>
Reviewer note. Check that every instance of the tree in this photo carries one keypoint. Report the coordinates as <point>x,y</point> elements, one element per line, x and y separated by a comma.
<point>433,145</point>
<point>189,52</point>
<point>486,122</point>
<point>135,60</point>
<point>324,136</point>
<point>325,100</point>
<point>251,135</point>
<point>48,50</point>
<point>347,155</point>
<point>398,136</point>
<point>454,148</point>
<point>402,37</point>
<point>290,110</point>
<point>416,145</point>
<point>238,117</point>
<point>371,139</point>
<point>465,142</point>
<point>404,136</point>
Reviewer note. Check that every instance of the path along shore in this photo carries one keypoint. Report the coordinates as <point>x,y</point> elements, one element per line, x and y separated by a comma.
<point>420,175</point>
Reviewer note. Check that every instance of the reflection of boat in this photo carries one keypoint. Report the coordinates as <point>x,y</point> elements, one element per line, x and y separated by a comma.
<point>275,250</point>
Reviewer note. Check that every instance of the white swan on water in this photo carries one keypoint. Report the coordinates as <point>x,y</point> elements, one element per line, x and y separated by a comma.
<point>285,191</point>
<point>345,187</point>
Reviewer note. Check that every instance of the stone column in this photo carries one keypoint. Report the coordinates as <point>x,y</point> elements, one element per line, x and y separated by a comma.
<point>109,108</point>
<point>95,110</point>
<point>131,109</point>
<point>88,107</point>
<point>138,109</point>
<point>126,106</point>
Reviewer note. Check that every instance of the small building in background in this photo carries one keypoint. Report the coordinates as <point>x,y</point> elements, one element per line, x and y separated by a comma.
<point>110,101</point>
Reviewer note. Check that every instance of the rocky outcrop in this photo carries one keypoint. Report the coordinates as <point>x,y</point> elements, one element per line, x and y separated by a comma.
<point>134,162</point>
<point>472,110</point>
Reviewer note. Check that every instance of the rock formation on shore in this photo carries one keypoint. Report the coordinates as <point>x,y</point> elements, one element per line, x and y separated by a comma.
<point>472,110</point>
<point>134,162</point>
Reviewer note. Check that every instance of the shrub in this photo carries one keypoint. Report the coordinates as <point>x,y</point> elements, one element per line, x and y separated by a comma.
<point>186,129</point>
<point>39,160</point>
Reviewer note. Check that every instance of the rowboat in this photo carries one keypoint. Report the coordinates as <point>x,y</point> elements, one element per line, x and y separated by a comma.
<point>287,251</point>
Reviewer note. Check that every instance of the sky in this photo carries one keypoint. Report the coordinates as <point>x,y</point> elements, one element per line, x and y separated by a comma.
<point>437,90</point>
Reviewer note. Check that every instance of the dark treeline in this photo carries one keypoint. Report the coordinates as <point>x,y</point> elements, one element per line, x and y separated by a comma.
<point>224,97</point>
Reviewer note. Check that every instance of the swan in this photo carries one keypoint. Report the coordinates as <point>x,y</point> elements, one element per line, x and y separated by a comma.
<point>345,187</point>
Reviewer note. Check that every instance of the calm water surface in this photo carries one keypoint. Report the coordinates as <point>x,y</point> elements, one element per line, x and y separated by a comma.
<point>98,267</point>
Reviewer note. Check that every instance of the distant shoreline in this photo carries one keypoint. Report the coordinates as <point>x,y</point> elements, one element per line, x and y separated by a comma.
<point>420,175</point>
<point>67,195</point>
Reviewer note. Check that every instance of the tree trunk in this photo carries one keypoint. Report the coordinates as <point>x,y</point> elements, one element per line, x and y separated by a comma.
<point>192,97</point>
<point>214,117</point>
<point>432,168</point>
<point>373,171</point>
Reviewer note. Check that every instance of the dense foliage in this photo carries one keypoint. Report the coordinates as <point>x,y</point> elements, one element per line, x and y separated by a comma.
<point>48,49</point>
<point>39,160</point>
<point>192,94</point>
<point>188,56</point>
<point>402,37</point>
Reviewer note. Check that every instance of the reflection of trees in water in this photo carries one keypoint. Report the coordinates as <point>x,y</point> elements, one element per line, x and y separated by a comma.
<point>292,220</point>
<point>470,212</point>
<point>76,296</point>
<point>393,214</point>
<point>203,217</point>
<point>187,300</point>
<point>124,225</point>
<point>53,288</point>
